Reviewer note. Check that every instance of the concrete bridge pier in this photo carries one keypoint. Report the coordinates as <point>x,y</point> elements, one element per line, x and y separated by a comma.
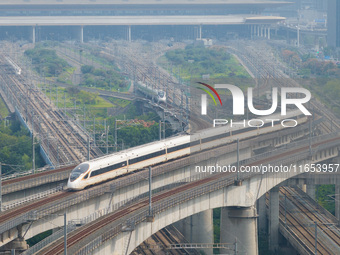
<point>81,34</point>
<point>33,34</point>
<point>273,221</point>
<point>198,228</point>
<point>200,32</point>
<point>129,33</point>
<point>18,245</point>
<point>310,188</point>
<point>240,224</point>
<point>262,211</point>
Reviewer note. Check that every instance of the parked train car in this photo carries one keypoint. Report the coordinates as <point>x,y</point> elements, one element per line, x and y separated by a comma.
<point>108,167</point>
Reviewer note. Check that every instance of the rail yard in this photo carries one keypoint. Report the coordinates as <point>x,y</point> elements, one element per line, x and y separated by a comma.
<point>66,144</point>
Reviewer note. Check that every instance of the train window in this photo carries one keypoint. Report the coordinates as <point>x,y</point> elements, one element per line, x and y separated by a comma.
<point>145,157</point>
<point>179,147</point>
<point>86,176</point>
<point>108,168</point>
<point>80,169</point>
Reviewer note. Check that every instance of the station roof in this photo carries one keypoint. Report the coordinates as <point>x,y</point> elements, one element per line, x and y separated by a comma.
<point>267,3</point>
<point>136,20</point>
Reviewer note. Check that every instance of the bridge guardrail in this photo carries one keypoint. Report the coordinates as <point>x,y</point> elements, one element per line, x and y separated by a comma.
<point>35,181</point>
<point>32,197</point>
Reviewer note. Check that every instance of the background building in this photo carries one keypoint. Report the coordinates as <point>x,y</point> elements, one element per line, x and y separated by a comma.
<point>333,33</point>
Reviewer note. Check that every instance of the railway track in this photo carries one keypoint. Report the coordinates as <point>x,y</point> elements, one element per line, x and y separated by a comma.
<point>54,130</point>
<point>33,206</point>
<point>38,104</point>
<point>140,66</point>
<point>37,175</point>
<point>123,213</point>
<point>258,61</point>
<point>93,227</point>
<point>164,237</point>
<point>306,233</point>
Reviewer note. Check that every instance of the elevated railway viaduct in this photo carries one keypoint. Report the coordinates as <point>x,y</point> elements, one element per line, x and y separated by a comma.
<point>117,193</point>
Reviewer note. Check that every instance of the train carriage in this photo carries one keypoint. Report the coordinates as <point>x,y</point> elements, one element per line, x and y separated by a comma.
<point>108,167</point>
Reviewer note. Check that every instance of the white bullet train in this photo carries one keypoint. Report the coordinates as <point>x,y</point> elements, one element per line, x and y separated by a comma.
<point>16,68</point>
<point>155,94</point>
<point>110,166</point>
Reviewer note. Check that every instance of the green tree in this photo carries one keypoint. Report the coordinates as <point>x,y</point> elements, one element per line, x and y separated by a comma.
<point>87,69</point>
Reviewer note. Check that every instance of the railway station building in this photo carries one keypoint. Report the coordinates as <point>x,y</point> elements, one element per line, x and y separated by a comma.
<point>85,20</point>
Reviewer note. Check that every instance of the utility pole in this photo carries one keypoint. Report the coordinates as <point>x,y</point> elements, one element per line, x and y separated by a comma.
<point>57,98</point>
<point>107,137</point>
<point>160,130</point>
<point>65,103</point>
<point>163,124</point>
<point>0,188</point>
<point>310,138</point>
<point>88,147</point>
<point>150,191</point>
<point>33,149</point>
<point>116,135</point>
<point>150,218</point>
<point>58,154</point>
<point>65,235</point>
<point>316,237</point>
<point>238,160</point>
<point>94,131</point>
<point>33,152</point>
<point>84,117</point>
<point>50,93</point>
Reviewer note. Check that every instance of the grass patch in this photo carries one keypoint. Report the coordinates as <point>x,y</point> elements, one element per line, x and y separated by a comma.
<point>3,109</point>
<point>195,61</point>
<point>66,76</point>
<point>101,103</point>
<point>73,97</point>
<point>119,102</point>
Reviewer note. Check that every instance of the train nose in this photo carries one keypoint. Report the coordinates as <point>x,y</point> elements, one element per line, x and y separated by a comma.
<point>71,185</point>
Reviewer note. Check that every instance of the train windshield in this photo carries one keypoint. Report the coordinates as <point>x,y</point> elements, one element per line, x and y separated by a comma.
<point>80,169</point>
<point>161,94</point>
